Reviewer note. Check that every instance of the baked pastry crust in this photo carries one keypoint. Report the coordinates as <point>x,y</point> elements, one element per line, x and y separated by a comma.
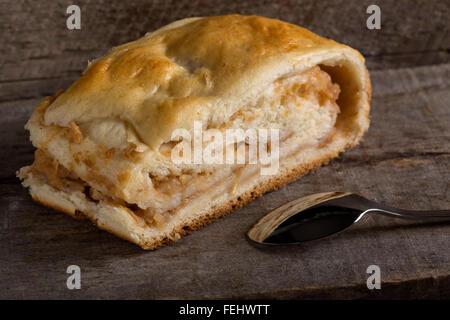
<point>108,128</point>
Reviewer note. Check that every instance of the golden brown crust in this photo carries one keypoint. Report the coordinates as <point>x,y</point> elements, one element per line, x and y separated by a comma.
<point>178,75</point>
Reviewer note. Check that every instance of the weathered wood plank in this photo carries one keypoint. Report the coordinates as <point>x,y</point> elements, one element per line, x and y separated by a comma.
<point>217,261</point>
<point>403,161</point>
<point>38,46</point>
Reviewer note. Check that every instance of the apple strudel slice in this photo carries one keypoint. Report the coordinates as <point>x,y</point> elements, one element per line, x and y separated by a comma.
<point>165,134</point>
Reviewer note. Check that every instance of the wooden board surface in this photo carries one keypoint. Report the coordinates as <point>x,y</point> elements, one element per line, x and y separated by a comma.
<point>403,161</point>
<point>39,55</point>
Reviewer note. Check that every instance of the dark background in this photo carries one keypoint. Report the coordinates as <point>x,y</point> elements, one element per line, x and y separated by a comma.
<point>403,161</point>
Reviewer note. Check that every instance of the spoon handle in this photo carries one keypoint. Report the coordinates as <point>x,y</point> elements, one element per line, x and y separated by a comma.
<point>366,205</point>
<point>411,214</point>
<point>358,202</point>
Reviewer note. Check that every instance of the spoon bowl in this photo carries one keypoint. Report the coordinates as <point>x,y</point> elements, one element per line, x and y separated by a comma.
<point>321,215</point>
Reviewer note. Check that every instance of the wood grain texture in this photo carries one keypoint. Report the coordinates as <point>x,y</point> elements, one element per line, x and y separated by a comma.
<point>403,161</point>
<point>39,55</point>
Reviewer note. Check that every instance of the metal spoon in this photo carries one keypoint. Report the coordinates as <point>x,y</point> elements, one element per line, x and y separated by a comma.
<point>323,214</point>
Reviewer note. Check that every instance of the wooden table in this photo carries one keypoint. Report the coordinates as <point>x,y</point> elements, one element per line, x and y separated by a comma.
<point>403,161</point>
